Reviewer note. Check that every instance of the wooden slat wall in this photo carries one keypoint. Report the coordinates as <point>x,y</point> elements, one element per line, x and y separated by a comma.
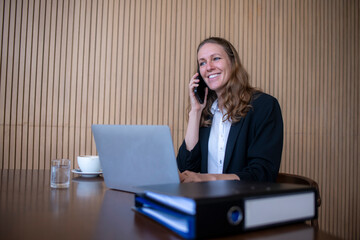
<point>66,64</point>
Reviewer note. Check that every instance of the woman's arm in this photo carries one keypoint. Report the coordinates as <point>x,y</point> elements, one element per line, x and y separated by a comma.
<point>188,157</point>
<point>192,131</point>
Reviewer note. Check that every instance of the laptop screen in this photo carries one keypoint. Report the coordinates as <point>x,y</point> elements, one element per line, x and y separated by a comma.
<point>135,155</point>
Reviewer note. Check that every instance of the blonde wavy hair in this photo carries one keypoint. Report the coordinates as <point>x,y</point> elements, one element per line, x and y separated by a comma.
<point>237,92</point>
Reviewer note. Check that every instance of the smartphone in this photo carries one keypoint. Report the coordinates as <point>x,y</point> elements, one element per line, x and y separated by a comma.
<point>200,90</point>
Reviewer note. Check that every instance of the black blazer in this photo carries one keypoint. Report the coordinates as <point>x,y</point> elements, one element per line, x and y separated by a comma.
<point>254,146</point>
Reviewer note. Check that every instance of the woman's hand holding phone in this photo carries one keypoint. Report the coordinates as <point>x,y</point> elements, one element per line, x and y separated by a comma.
<point>192,132</point>
<point>200,89</point>
<point>194,97</point>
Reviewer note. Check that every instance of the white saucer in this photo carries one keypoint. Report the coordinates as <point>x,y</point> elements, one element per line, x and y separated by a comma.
<point>86,174</point>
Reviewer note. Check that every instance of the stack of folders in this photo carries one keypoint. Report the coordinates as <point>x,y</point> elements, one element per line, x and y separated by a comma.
<point>218,208</point>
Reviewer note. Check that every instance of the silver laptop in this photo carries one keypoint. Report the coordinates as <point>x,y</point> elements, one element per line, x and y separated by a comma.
<point>135,155</point>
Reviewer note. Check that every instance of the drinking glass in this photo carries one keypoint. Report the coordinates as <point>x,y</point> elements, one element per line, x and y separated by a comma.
<point>60,173</point>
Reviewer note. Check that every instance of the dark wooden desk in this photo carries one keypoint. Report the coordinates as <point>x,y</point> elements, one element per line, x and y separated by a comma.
<point>30,209</point>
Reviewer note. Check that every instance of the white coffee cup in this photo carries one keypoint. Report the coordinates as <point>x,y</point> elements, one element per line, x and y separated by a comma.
<point>89,163</point>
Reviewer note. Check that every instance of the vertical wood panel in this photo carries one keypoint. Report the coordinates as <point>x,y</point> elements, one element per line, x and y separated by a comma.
<point>4,36</point>
<point>88,76</point>
<point>21,79</point>
<point>63,24</point>
<point>16,85</point>
<point>68,64</point>
<point>82,81</point>
<point>11,99</point>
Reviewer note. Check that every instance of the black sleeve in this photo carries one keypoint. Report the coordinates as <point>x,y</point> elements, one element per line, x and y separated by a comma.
<point>189,160</point>
<point>265,142</point>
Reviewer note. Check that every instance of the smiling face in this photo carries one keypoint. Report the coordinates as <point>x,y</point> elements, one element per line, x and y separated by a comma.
<point>214,66</point>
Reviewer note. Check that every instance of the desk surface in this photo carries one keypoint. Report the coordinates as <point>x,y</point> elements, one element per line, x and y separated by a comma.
<point>30,209</point>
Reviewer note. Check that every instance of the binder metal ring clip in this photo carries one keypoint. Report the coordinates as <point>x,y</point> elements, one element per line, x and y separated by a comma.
<point>235,215</point>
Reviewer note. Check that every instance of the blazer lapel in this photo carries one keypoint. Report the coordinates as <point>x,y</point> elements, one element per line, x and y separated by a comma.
<point>205,134</point>
<point>233,134</point>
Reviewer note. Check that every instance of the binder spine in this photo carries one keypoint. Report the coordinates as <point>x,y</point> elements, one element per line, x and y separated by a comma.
<point>150,208</point>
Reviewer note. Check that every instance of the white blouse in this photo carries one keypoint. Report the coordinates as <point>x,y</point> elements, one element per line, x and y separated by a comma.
<point>217,141</point>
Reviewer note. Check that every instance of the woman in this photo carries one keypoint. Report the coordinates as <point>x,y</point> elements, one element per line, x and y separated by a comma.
<point>237,133</point>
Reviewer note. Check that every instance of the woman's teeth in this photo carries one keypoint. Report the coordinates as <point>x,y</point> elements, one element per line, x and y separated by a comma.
<point>213,75</point>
